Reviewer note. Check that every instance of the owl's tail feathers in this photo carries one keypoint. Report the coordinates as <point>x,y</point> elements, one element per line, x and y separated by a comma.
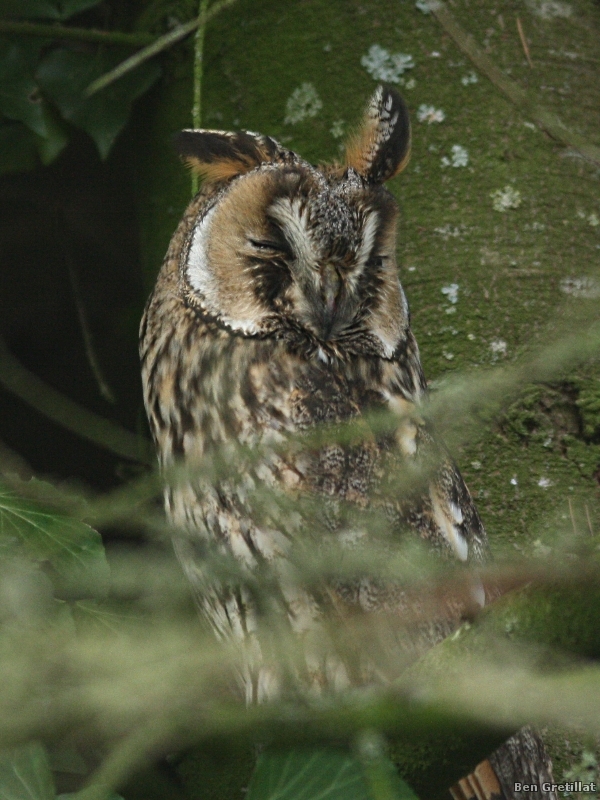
<point>517,770</point>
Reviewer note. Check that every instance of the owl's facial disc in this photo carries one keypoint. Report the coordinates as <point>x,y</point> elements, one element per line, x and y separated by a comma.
<point>294,249</point>
<point>344,277</point>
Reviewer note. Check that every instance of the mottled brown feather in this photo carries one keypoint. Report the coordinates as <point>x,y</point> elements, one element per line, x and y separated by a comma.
<point>279,309</point>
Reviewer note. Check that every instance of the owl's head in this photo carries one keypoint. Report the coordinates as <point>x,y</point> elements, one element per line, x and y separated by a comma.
<point>282,248</point>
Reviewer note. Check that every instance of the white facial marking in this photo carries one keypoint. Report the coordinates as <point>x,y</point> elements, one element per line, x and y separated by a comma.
<point>368,238</point>
<point>441,515</point>
<point>198,271</point>
<point>203,280</point>
<point>294,221</point>
<point>389,325</point>
<point>456,513</point>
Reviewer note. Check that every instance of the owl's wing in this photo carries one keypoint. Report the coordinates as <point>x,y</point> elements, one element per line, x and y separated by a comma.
<point>439,507</point>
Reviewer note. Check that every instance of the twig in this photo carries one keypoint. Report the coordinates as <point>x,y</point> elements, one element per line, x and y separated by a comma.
<point>589,521</point>
<point>198,65</point>
<point>572,518</point>
<point>524,42</point>
<point>545,119</point>
<point>81,34</point>
<point>160,44</point>
<point>66,412</point>
<point>86,332</point>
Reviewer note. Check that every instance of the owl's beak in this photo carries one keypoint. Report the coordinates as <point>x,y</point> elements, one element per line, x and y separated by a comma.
<point>331,284</point>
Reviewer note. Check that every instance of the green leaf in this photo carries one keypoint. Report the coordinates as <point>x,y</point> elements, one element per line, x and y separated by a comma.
<point>29,9</point>
<point>20,98</point>
<point>18,148</point>
<point>74,550</point>
<point>100,616</point>
<point>384,782</point>
<point>56,139</point>
<point>44,9</point>
<point>68,8</point>
<point>25,774</point>
<point>64,75</point>
<point>306,774</point>
<point>86,794</point>
<point>327,774</point>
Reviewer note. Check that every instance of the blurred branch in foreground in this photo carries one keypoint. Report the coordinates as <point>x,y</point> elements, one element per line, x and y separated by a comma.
<point>157,683</point>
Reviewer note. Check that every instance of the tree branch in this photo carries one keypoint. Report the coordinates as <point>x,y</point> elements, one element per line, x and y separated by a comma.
<point>160,44</point>
<point>198,64</point>
<point>64,411</point>
<point>81,34</point>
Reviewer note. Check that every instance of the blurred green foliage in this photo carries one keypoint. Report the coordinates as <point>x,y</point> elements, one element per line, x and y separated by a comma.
<point>122,667</point>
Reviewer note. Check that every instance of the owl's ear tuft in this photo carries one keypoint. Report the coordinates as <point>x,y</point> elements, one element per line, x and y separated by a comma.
<point>380,148</point>
<point>220,155</point>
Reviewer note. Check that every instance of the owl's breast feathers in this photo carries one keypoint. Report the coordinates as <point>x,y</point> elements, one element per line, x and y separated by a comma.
<point>206,389</point>
<point>274,347</point>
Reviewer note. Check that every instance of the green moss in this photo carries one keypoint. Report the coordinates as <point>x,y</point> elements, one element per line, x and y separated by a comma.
<point>568,747</point>
<point>563,619</point>
<point>588,403</point>
<point>432,763</point>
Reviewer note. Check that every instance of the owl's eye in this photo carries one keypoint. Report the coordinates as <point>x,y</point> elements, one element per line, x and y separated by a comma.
<point>267,247</point>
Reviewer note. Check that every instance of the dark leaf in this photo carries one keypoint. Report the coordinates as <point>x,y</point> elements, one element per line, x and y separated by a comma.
<point>20,98</point>
<point>18,148</point>
<point>56,139</point>
<point>44,9</point>
<point>73,549</point>
<point>68,8</point>
<point>25,774</point>
<point>384,781</point>
<point>29,9</point>
<point>64,75</point>
<point>328,774</point>
<point>100,616</point>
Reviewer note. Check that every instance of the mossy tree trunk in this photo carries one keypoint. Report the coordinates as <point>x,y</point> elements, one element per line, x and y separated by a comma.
<point>534,473</point>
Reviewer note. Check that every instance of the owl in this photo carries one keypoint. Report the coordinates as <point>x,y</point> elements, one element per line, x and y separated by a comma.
<point>276,337</point>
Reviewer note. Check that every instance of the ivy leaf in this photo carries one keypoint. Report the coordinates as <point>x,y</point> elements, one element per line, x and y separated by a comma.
<point>64,76</point>
<point>29,9</point>
<point>20,98</point>
<point>18,148</point>
<point>73,549</point>
<point>56,139</point>
<point>68,8</point>
<point>44,9</point>
<point>25,774</point>
<point>100,617</point>
<point>328,774</point>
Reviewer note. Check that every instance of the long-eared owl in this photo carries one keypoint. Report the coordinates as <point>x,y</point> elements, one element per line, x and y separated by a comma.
<point>278,318</point>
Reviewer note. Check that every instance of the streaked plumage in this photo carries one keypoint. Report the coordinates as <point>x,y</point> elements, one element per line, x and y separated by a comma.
<point>279,309</point>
